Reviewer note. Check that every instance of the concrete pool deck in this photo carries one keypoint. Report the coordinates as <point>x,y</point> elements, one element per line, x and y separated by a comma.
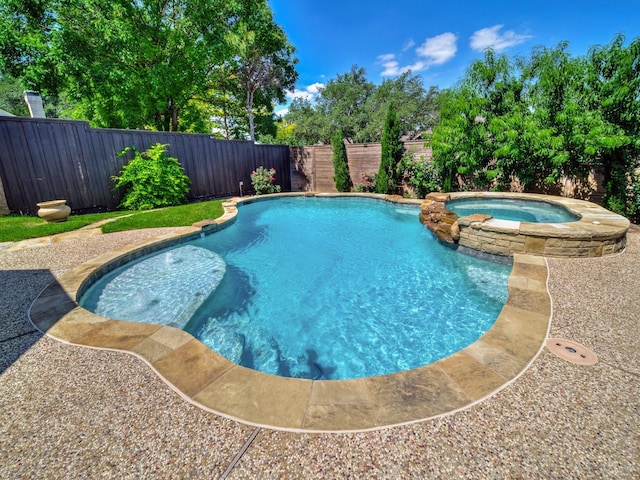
<point>67,411</point>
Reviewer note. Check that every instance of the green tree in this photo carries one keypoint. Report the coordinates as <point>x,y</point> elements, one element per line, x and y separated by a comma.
<point>524,146</point>
<point>308,125</point>
<point>226,102</point>
<point>524,149</point>
<point>557,95</point>
<point>360,107</point>
<point>462,148</point>
<point>127,64</point>
<point>28,30</point>
<point>11,97</point>
<point>392,149</point>
<point>263,65</point>
<point>137,64</point>
<point>416,107</point>
<point>343,102</point>
<point>339,159</point>
<point>541,119</point>
<point>613,87</point>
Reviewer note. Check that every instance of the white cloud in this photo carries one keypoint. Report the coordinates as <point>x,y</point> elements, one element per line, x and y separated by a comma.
<point>409,44</point>
<point>439,49</point>
<point>308,93</point>
<point>390,64</point>
<point>434,51</point>
<point>491,38</point>
<point>392,68</point>
<point>281,112</point>
<point>315,88</point>
<point>299,94</point>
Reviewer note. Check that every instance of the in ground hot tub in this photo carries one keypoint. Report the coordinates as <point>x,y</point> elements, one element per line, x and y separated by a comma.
<point>586,230</point>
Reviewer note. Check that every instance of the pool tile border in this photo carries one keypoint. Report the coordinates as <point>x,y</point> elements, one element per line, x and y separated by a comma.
<point>212,382</point>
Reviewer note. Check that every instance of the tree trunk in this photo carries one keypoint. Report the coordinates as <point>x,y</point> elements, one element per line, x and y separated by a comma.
<point>158,120</point>
<point>174,118</point>
<point>226,124</point>
<point>171,120</point>
<point>252,133</point>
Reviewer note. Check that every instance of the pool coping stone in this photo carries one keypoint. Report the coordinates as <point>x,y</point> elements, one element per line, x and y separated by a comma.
<point>212,382</point>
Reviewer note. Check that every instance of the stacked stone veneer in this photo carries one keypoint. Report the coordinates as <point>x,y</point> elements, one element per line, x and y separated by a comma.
<point>598,232</point>
<point>442,222</point>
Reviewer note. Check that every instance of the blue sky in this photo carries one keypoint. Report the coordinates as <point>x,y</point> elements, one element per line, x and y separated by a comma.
<point>437,40</point>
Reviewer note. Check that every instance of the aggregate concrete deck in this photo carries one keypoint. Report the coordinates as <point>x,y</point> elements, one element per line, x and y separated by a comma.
<point>73,412</point>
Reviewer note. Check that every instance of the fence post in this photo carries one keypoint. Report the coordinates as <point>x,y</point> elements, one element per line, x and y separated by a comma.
<point>4,206</point>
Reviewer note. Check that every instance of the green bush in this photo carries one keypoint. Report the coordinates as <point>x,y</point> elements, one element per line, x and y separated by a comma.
<point>340,165</point>
<point>627,203</point>
<point>367,183</point>
<point>418,173</point>
<point>152,179</point>
<point>263,181</point>
<point>392,149</point>
<point>634,213</point>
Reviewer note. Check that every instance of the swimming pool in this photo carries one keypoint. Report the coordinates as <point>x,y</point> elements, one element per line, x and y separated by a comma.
<point>318,288</point>
<point>212,382</point>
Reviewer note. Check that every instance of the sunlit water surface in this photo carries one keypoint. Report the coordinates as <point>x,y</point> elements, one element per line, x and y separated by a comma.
<point>315,288</point>
<point>512,209</point>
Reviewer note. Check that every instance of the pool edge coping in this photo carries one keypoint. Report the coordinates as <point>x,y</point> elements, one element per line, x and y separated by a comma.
<point>215,384</point>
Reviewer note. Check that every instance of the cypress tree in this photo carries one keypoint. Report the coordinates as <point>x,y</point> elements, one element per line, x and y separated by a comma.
<point>392,148</point>
<point>340,165</point>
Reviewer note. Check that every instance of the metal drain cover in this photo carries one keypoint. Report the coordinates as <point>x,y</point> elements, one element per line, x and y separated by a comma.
<point>571,351</point>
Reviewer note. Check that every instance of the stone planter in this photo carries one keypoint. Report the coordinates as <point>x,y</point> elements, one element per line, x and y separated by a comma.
<point>54,211</point>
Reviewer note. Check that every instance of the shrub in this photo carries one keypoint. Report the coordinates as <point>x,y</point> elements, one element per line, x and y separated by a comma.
<point>634,214</point>
<point>367,183</point>
<point>418,173</point>
<point>263,181</point>
<point>628,202</point>
<point>391,154</point>
<point>152,179</point>
<point>340,165</point>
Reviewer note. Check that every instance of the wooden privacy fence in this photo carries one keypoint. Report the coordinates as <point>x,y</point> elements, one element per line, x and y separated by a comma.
<point>312,166</point>
<point>46,159</point>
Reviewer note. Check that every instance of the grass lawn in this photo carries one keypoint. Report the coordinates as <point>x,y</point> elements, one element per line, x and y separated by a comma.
<point>20,227</point>
<point>179,216</point>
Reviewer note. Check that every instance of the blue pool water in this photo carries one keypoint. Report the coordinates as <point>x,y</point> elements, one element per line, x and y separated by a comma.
<point>512,209</point>
<point>325,288</point>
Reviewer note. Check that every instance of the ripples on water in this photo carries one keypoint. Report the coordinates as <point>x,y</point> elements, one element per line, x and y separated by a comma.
<point>314,288</point>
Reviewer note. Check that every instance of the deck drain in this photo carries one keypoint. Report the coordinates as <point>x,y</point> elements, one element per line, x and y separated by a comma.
<point>571,351</point>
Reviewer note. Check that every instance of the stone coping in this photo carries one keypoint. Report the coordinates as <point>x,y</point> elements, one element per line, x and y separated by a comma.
<point>208,380</point>
<point>597,232</point>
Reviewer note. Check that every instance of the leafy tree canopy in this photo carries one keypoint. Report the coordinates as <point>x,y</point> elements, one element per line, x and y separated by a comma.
<point>144,63</point>
<point>542,118</point>
<point>359,108</point>
<point>263,64</point>
<point>11,97</point>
